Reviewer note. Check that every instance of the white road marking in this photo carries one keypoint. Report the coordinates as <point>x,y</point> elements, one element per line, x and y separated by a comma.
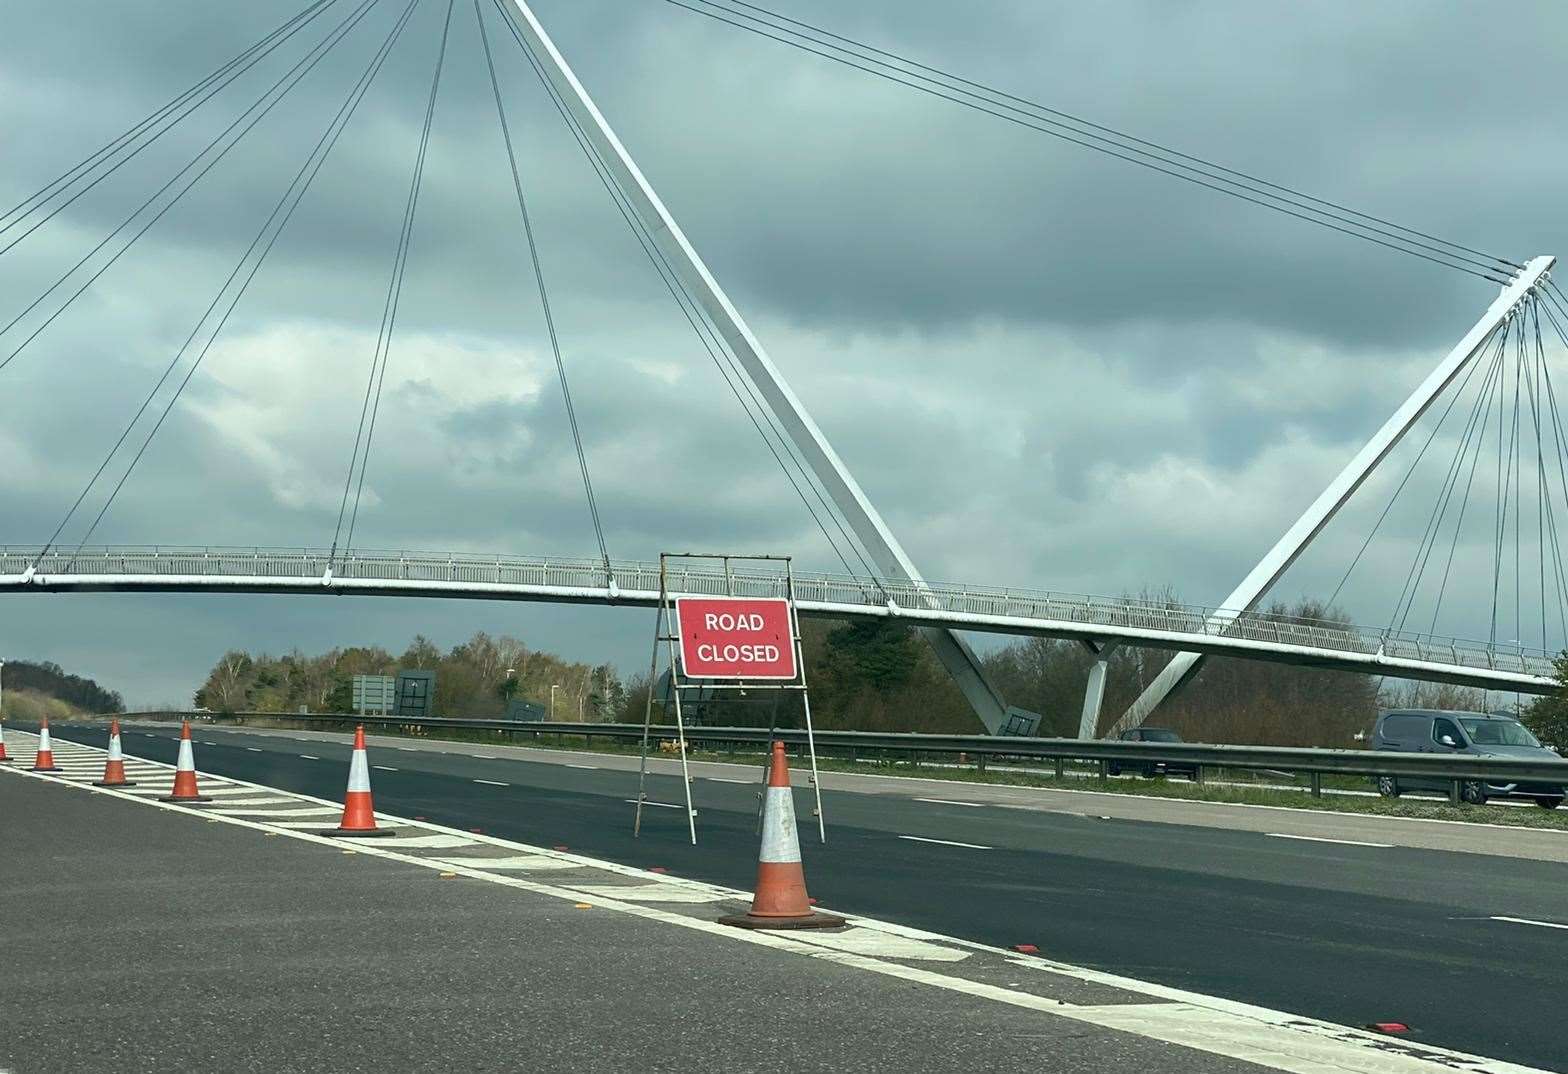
<point>254,749</point>
<point>945,842</point>
<point>1528,921</point>
<point>384,768</point>
<point>492,783</point>
<point>308,757</point>
<point>661,805</point>
<point>590,767</point>
<point>407,749</point>
<point>863,941</point>
<point>726,779</point>
<point>516,862</point>
<point>262,813</point>
<point>1272,1039</point>
<point>652,893</point>
<point>949,801</point>
<point>1321,839</point>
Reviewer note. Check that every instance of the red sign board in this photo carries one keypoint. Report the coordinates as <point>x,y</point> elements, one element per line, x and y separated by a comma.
<point>735,638</point>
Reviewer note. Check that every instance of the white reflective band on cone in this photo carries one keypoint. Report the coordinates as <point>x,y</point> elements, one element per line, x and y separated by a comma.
<point>187,762</point>
<point>43,740</point>
<point>114,749</point>
<point>358,773</point>
<point>779,843</point>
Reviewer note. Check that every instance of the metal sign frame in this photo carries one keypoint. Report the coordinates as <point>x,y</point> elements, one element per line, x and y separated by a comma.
<point>667,633</point>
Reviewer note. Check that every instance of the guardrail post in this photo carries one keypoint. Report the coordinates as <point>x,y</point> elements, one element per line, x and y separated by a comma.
<point>1317,784</point>
<point>1105,770</point>
<point>1453,792</point>
<point>1058,767</point>
<point>1197,774</point>
<point>980,764</point>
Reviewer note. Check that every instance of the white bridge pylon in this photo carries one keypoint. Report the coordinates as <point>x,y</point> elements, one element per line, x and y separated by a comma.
<point>1288,548</point>
<point>863,518</point>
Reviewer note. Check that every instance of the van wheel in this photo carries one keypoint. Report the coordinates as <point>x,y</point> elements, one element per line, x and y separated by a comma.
<point>1472,791</point>
<point>1388,786</point>
<point>1548,803</point>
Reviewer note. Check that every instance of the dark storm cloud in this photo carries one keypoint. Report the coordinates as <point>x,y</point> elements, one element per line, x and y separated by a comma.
<point>1119,380</point>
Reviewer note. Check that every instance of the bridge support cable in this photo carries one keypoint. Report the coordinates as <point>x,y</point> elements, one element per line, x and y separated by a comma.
<point>1355,561</point>
<point>544,293</point>
<point>1064,126</point>
<point>253,258</point>
<point>1538,417</point>
<point>846,493</point>
<point>1476,422</point>
<point>242,126</point>
<point>735,378</point>
<point>137,135</point>
<point>1328,503</point>
<point>378,362</point>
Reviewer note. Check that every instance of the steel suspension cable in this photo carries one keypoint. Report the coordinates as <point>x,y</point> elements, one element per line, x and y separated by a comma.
<point>261,108</point>
<point>1459,519</point>
<point>1119,135</point>
<point>1175,169</point>
<point>1537,403</point>
<point>395,288</point>
<point>711,341</point>
<point>1452,401</point>
<point>544,294</point>
<point>1427,544</point>
<point>212,85</point>
<point>281,214</point>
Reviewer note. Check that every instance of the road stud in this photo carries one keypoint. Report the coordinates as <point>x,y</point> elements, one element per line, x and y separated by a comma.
<point>359,815</point>
<point>185,772</point>
<point>780,901</point>
<point>43,760</point>
<point>114,767</point>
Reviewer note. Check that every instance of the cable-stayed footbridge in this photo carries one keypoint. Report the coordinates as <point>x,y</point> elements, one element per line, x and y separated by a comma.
<point>1498,374</point>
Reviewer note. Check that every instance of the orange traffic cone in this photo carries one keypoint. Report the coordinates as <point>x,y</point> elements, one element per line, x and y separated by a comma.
<point>359,816</point>
<point>185,772</point>
<point>780,901</point>
<point>43,760</point>
<point>114,767</point>
<point>3,758</point>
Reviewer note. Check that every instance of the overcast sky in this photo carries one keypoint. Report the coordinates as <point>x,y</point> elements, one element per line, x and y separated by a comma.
<point>1046,367</point>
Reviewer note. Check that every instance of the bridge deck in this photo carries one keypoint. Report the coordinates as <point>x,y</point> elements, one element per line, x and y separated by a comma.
<point>1247,634</point>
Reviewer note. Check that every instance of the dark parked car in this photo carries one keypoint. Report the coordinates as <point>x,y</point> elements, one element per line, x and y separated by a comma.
<point>1153,768</point>
<point>1475,734</point>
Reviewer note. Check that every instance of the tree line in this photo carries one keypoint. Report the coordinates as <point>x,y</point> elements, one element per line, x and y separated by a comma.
<point>51,680</point>
<point>879,676</point>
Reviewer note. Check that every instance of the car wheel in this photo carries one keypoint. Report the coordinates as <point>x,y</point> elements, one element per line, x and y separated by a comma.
<point>1388,786</point>
<point>1472,791</point>
<point>1114,770</point>
<point>1548,803</point>
<point>1149,771</point>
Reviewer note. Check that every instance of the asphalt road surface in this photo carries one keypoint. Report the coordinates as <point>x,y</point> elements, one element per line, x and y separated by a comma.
<point>1460,946</point>
<point>138,940</point>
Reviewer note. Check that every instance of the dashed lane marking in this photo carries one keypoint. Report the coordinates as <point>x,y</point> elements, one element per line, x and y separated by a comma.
<point>590,767</point>
<point>384,767</point>
<point>1323,839</point>
<point>308,757</point>
<point>661,805</point>
<point>1530,921</point>
<point>945,842</point>
<point>949,801</point>
<point>726,779</point>
<point>492,783</point>
<point>253,749</point>
<point>1268,1038</point>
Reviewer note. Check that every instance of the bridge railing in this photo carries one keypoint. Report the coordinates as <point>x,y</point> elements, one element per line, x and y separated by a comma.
<point>850,591</point>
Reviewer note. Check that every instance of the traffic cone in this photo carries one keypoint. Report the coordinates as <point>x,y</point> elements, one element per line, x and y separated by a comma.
<point>3,758</point>
<point>780,901</point>
<point>114,767</point>
<point>43,760</point>
<point>359,816</point>
<point>185,772</point>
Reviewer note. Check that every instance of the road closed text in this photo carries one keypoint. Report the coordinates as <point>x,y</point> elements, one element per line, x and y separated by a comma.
<point>731,638</point>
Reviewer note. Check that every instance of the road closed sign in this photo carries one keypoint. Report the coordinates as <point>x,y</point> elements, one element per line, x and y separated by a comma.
<point>735,638</point>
